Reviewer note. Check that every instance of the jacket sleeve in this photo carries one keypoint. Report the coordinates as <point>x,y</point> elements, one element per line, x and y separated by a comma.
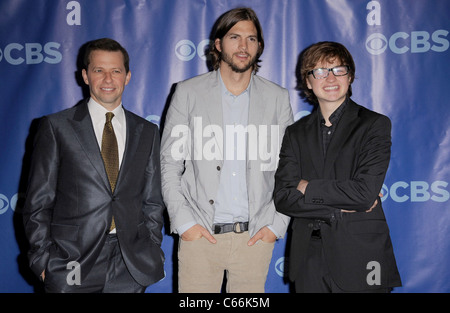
<point>174,152</point>
<point>153,203</point>
<point>281,221</point>
<point>288,200</point>
<point>40,196</point>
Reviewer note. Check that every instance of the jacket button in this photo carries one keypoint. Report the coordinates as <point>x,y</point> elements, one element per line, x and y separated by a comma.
<point>211,201</point>
<point>218,168</point>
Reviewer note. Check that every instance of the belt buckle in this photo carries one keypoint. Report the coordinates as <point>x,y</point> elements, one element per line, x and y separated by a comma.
<point>235,228</point>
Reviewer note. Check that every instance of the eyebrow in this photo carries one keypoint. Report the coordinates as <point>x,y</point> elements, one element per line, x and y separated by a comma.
<point>236,34</point>
<point>109,68</point>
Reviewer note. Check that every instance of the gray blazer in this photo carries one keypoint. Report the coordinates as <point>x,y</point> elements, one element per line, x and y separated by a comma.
<point>192,145</point>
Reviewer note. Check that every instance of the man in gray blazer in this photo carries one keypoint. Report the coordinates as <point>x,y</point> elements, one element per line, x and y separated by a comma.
<point>219,153</point>
<point>75,192</point>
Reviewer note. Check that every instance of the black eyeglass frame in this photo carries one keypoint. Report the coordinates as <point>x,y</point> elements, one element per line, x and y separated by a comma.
<point>329,70</point>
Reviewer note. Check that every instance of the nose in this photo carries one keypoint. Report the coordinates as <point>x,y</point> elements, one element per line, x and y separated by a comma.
<point>331,76</point>
<point>243,44</point>
<point>108,77</point>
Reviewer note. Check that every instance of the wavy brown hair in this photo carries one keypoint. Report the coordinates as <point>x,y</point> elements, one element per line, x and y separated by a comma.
<point>324,51</point>
<point>225,22</point>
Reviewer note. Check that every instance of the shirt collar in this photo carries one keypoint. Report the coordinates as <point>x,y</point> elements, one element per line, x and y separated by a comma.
<point>98,112</point>
<point>225,90</point>
<point>336,115</point>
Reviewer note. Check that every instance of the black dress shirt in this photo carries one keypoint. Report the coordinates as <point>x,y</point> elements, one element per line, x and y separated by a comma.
<point>327,132</point>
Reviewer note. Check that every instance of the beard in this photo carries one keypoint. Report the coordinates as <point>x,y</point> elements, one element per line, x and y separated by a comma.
<point>228,59</point>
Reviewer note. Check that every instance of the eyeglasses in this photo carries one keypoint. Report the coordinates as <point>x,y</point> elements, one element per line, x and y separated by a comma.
<point>319,73</point>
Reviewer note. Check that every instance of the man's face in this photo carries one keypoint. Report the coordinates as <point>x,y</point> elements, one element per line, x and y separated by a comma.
<point>239,47</point>
<point>106,77</point>
<point>332,89</point>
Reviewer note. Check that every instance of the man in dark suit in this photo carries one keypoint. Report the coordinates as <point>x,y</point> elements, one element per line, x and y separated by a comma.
<point>94,211</point>
<point>332,166</point>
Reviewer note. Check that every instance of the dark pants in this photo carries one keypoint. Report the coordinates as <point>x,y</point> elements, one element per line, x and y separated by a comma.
<point>317,278</point>
<point>108,275</point>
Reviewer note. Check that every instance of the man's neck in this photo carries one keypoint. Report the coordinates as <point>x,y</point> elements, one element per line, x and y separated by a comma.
<point>327,108</point>
<point>235,82</point>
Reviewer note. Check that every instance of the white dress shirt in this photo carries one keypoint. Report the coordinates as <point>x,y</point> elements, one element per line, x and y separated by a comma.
<point>98,117</point>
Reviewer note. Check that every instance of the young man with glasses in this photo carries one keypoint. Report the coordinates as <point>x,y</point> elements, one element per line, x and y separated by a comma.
<point>332,167</point>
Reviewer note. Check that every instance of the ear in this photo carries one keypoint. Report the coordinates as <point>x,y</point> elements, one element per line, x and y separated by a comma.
<point>85,78</point>
<point>308,84</point>
<point>127,79</point>
<point>217,45</point>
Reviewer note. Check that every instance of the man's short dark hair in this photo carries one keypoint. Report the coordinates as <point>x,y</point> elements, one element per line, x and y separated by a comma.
<point>105,44</point>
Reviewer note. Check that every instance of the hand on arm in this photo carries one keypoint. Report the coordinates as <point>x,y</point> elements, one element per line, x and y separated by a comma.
<point>304,183</point>
<point>302,186</point>
<point>367,211</point>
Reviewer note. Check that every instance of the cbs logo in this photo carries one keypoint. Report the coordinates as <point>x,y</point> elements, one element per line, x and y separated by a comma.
<point>186,50</point>
<point>6,203</point>
<point>31,53</point>
<point>401,42</point>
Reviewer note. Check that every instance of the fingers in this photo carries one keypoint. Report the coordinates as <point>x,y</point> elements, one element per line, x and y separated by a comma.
<point>255,238</point>
<point>208,236</point>
<point>374,205</point>
<point>348,211</point>
<point>264,234</point>
<point>302,186</point>
<point>367,211</point>
<point>196,232</point>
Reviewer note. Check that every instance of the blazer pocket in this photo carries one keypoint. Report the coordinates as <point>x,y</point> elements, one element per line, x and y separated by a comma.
<point>368,227</point>
<point>64,232</point>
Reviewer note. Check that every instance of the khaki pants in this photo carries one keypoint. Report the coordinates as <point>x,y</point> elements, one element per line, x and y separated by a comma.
<point>201,264</point>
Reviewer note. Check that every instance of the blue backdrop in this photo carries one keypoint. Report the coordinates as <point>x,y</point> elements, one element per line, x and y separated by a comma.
<point>401,50</point>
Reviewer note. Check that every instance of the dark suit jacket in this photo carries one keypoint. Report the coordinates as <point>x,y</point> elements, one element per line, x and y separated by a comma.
<point>69,203</point>
<point>349,177</point>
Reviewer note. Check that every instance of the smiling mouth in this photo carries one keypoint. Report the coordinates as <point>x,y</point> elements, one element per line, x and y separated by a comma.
<point>242,55</point>
<point>107,89</point>
<point>331,88</point>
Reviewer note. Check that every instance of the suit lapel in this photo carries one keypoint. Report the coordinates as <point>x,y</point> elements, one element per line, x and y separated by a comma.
<point>257,104</point>
<point>314,142</point>
<point>133,136</point>
<point>84,131</point>
<point>256,111</point>
<point>213,108</point>
<point>345,127</point>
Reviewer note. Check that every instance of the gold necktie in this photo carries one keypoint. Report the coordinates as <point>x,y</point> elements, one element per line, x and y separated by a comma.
<point>110,154</point>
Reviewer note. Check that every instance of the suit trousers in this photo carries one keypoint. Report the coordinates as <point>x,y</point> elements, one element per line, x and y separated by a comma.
<point>108,275</point>
<point>317,278</point>
<point>201,264</point>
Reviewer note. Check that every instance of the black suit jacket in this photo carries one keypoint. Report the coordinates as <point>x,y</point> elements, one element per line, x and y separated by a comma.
<point>349,177</point>
<point>69,203</point>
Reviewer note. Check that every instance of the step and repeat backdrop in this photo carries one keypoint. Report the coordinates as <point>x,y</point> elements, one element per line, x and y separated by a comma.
<point>401,50</point>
